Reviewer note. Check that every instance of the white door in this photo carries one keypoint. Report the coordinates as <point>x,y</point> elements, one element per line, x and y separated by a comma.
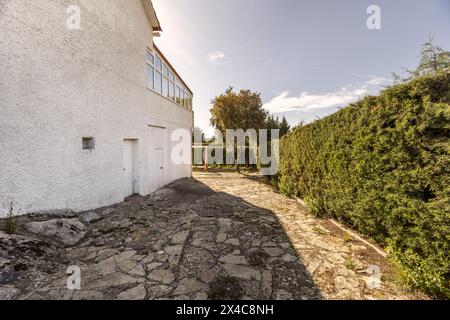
<point>157,167</point>
<point>128,176</point>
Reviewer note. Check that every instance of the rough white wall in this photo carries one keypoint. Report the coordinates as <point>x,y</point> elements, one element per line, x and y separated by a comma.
<point>59,85</point>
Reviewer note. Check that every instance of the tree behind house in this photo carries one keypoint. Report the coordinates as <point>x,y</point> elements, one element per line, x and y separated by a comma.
<point>238,110</point>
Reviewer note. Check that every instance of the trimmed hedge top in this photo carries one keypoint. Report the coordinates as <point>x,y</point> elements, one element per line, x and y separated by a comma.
<point>382,165</point>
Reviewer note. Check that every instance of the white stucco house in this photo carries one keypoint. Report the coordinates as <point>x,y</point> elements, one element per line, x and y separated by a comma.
<point>86,115</point>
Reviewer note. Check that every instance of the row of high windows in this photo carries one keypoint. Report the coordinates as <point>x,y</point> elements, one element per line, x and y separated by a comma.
<point>163,80</point>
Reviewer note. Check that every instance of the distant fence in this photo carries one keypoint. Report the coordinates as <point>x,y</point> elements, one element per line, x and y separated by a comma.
<point>202,152</point>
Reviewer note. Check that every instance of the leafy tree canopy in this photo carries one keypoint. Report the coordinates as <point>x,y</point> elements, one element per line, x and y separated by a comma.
<point>238,110</point>
<point>244,110</point>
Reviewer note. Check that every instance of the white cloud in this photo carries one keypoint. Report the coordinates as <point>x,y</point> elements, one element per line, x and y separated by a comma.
<point>379,81</point>
<point>216,56</point>
<point>309,101</point>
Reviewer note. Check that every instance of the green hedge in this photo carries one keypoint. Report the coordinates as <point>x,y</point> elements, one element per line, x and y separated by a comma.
<point>382,166</point>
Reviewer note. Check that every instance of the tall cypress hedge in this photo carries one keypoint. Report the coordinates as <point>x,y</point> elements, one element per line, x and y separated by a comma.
<point>382,166</point>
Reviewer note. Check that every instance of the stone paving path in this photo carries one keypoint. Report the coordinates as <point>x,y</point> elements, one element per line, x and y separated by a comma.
<point>218,236</point>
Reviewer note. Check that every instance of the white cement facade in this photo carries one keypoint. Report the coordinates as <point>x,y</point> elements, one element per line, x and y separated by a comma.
<point>58,86</point>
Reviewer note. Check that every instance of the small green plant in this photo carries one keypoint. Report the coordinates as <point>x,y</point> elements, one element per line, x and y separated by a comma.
<point>319,230</point>
<point>11,220</point>
<point>349,264</point>
<point>347,237</point>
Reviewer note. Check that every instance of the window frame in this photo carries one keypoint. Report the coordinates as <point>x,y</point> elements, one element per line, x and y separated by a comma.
<point>169,77</point>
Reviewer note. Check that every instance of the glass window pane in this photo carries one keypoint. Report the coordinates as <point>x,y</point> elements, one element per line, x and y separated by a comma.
<point>150,58</point>
<point>158,82</point>
<point>166,87</point>
<point>172,77</point>
<point>158,63</point>
<point>150,77</point>
<point>165,70</point>
<point>172,91</point>
<point>178,95</point>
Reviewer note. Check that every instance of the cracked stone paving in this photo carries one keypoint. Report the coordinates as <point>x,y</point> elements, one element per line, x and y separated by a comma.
<point>216,236</point>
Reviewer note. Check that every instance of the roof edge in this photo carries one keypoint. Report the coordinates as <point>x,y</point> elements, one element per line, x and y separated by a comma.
<point>151,15</point>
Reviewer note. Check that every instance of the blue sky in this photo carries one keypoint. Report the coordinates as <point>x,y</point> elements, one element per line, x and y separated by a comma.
<point>307,58</point>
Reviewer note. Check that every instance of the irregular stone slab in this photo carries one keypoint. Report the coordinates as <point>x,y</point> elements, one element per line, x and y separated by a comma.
<point>201,296</point>
<point>106,253</point>
<point>174,250</point>
<point>67,231</point>
<point>269,244</point>
<point>204,243</point>
<point>266,287</point>
<point>233,241</point>
<point>225,221</point>
<point>91,256</point>
<point>3,262</point>
<point>124,255</point>
<point>256,243</point>
<point>136,293</point>
<point>138,271</point>
<point>108,211</point>
<point>58,294</point>
<point>208,275</point>
<point>189,285</point>
<point>180,237</point>
<point>285,245</point>
<point>106,266</point>
<point>149,258</point>
<point>221,237</point>
<point>153,265</point>
<point>32,296</point>
<point>138,257</point>
<point>162,257</point>
<point>76,253</point>
<point>243,272</point>
<point>274,252</point>
<point>155,292</point>
<point>233,259</point>
<point>163,276</point>
<point>90,217</point>
<point>127,265</point>
<point>289,258</point>
<point>113,280</point>
<point>88,295</point>
<point>283,295</point>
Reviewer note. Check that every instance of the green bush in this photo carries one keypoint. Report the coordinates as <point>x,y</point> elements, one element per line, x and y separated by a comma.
<point>382,165</point>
